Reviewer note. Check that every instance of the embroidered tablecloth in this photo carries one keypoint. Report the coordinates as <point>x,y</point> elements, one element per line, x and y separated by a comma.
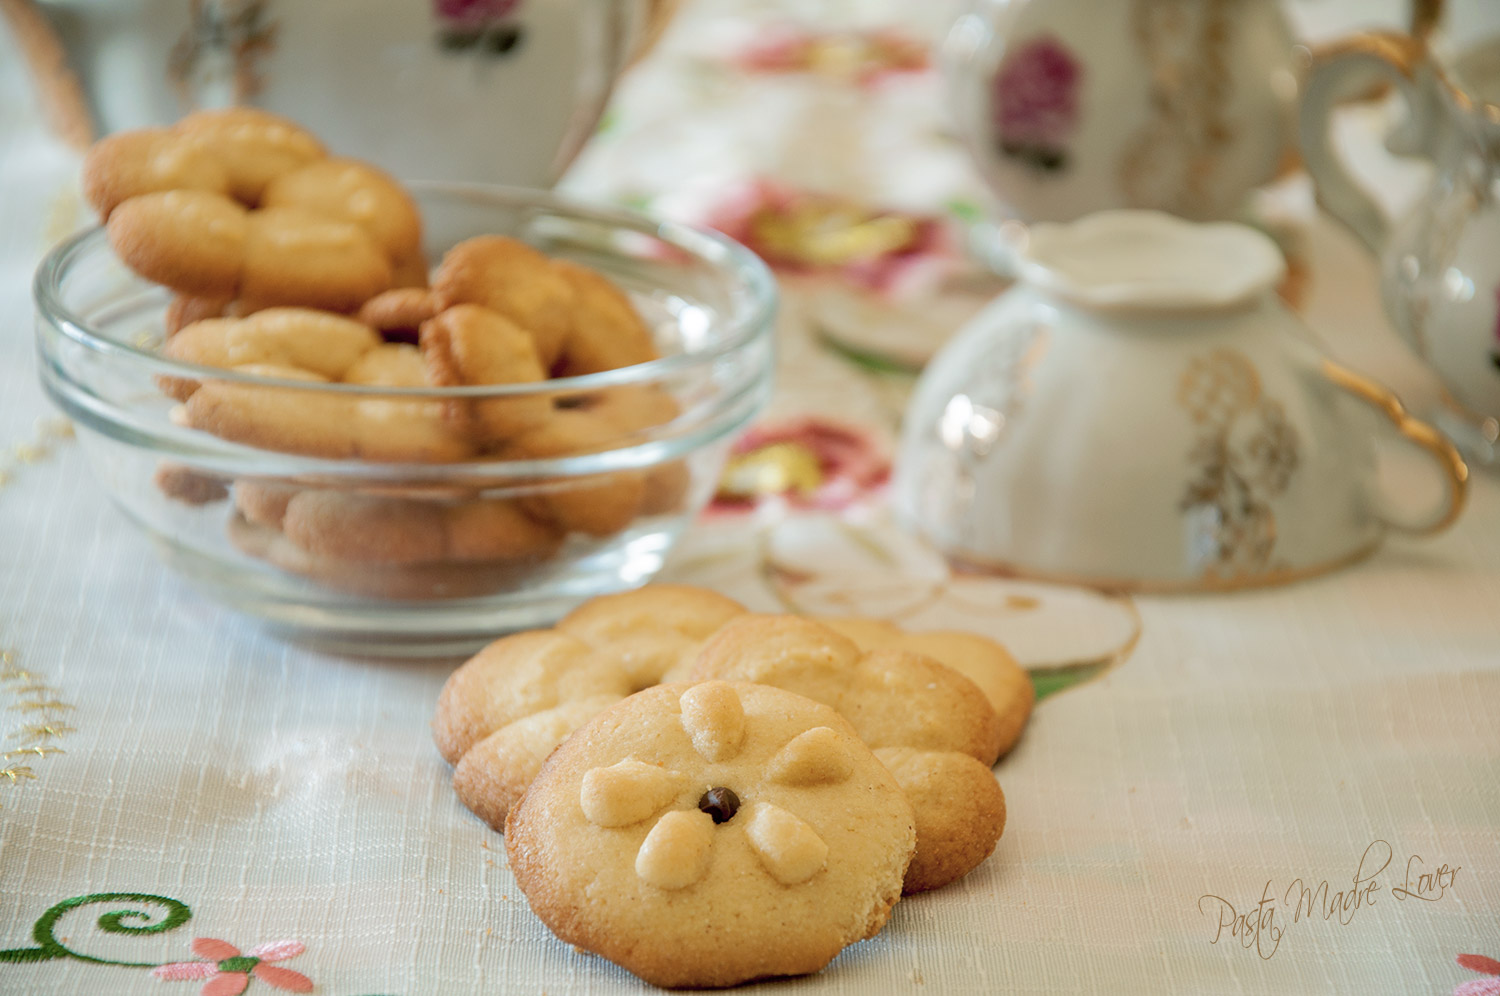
<point>185,799</point>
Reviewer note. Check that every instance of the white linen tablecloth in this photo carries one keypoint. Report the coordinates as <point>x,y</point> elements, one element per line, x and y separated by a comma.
<point>281,794</point>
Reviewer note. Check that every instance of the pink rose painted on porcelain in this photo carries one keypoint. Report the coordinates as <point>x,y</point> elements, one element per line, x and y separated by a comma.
<point>1495,353</point>
<point>1034,105</point>
<point>487,26</point>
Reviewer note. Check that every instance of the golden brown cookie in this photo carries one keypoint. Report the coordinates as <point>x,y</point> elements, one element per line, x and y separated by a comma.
<point>621,643</point>
<point>393,364</point>
<point>399,312</point>
<point>321,424</point>
<point>185,310</point>
<point>959,808</point>
<point>293,256</point>
<point>712,834</point>
<point>894,698</point>
<point>147,161</point>
<point>262,502</point>
<point>468,345</point>
<point>607,332</point>
<point>254,146</point>
<point>352,527</point>
<point>410,271</point>
<point>984,662</point>
<point>515,280</point>
<point>654,632</point>
<point>189,486</point>
<point>399,582</point>
<point>493,529</point>
<point>192,241</point>
<point>315,341</point>
<point>357,193</point>
<point>597,504</point>
<point>519,676</point>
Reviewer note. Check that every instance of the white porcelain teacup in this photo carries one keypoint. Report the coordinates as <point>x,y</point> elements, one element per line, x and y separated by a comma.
<point>492,91</point>
<point>1142,412</point>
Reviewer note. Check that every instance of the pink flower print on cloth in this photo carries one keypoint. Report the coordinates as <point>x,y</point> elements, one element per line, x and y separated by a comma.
<point>812,234</point>
<point>228,971</point>
<point>811,462</point>
<point>1484,966</point>
<point>1035,103</point>
<point>862,57</point>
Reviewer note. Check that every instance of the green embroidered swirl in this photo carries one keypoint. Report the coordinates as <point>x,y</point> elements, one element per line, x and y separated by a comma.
<point>114,922</point>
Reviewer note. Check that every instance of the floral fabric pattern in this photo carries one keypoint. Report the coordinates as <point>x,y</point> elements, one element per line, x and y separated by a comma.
<point>804,233</point>
<point>810,462</point>
<point>865,58</point>
<point>1479,987</point>
<point>228,971</point>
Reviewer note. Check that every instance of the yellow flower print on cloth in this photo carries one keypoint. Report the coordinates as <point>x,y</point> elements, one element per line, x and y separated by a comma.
<point>709,834</point>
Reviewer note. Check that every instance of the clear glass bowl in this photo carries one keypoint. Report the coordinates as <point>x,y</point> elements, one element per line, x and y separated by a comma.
<point>405,558</point>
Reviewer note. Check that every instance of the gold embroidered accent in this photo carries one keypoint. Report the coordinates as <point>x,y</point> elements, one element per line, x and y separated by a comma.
<point>46,705</point>
<point>31,739</point>
<point>41,731</point>
<point>40,750</point>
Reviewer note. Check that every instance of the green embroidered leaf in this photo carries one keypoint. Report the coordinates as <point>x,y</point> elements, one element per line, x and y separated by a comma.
<point>868,360</point>
<point>965,210</point>
<point>19,955</point>
<point>1052,680</point>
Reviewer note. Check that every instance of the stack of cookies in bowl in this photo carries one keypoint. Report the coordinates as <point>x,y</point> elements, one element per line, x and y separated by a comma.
<point>335,427</point>
<point>707,796</point>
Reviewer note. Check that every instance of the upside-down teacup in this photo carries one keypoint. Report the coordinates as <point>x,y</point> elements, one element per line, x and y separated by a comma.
<point>1141,411</point>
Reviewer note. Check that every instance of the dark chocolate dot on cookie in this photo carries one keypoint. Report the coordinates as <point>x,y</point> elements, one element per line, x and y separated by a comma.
<point>720,803</point>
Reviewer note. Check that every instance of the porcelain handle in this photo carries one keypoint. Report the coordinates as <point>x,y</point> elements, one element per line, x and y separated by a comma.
<point>1341,70</point>
<point>1414,430</point>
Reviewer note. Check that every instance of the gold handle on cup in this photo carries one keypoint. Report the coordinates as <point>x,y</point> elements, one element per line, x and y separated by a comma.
<point>1414,430</point>
<point>1339,70</point>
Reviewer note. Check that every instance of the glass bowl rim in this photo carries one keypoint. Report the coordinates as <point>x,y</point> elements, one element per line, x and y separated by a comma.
<point>750,318</point>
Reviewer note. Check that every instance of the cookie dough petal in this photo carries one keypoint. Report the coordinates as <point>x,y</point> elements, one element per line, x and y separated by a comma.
<point>818,757</point>
<point>675,853</point>
<point>788,848</point>
<point>714,719</point>
<point>627,792</point>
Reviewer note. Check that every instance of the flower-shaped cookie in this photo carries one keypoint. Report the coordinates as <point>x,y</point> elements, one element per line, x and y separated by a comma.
<point>504,711</point>
<point>710,834</point>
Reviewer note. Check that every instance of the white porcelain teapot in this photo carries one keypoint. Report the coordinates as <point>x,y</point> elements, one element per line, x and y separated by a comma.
<point>499,91</point>
<point>1141,412</point>
<point>1440,264</point>
<point>1074,106</point>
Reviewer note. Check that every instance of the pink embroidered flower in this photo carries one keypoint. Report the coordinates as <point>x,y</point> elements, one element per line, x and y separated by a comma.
<point>228,972</point>
<point>866,57</point>
<point>813,462</point>
<point>1480,987</point>
<point>472,11</point>
<point>1035,103</point>
<point>811,234</point>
